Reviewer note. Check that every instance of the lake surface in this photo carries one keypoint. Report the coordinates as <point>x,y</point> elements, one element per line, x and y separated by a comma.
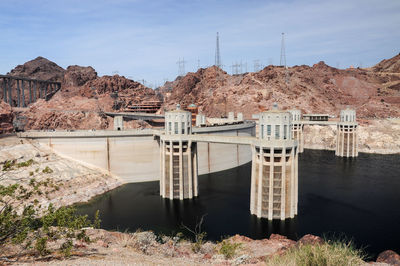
<point>357,198</point>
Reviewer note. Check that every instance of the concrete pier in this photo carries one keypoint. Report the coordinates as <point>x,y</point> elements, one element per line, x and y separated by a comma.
<point>347,139</point>
<point>178,157</point>
<point>9,93</point>
<point>23,93</point>
<point>118,122</point>
<point>297,128</point>
<point>5,90</point>
<point>274,174</point>
<point>23,99</point>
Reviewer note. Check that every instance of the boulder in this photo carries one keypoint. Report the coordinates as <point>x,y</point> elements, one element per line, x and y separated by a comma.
<point>78,75</point>
<point>389,257</point>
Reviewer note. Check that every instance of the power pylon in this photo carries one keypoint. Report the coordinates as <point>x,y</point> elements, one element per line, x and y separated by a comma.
<point>283,59</point>
<point>218,62</point>
<point>181,67</point>
<point>283,52</point>
<point>256,65</point>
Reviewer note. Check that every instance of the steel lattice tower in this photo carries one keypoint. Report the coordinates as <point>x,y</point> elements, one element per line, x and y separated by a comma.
<point>181,67</point>
<point>217,54</point>
<point>283,52</point>
<point>283,60</point>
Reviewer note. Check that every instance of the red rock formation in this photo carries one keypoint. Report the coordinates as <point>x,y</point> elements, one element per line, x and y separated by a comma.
<point>83,99</point>
<point>78,76</point>
<point>39,68</point>
<point>316,89</point>
<point>6,118</point>
<point>310,240</point>
<point>391,65</point>
<point>390,257</point>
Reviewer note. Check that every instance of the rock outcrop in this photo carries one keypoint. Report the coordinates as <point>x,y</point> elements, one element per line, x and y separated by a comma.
<point>76,76</point>
<point>391,65</point>
<point>390,257</point>
<point>39,68</point>
<point>6,118</point>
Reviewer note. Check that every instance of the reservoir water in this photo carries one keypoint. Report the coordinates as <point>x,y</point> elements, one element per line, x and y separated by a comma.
<point>356,198</point>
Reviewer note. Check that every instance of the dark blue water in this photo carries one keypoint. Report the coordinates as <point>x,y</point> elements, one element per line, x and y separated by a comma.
<point>357,198</point>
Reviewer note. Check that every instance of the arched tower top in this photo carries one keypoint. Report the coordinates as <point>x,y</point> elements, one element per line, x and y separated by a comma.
<point>295,115</point>
<point>348,115</point>
<point>275,124</point>
<point>178,122</point>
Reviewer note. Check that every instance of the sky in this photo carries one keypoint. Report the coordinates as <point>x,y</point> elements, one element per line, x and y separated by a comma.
<point>144,39</point>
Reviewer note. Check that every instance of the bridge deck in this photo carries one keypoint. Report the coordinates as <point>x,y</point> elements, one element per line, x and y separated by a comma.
<point>137,115</point>
<point>319,123</point>
<point>87,133</point>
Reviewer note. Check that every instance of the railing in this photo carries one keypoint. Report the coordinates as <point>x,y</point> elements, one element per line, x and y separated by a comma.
<point>37,89</point>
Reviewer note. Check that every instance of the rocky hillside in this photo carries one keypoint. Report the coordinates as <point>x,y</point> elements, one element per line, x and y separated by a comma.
<point>39,68</point>
<point>316,89</point>
<point>82,101</point>
<point>391,65</point>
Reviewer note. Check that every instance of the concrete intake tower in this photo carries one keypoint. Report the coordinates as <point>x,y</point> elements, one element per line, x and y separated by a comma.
<point>297,128</point>
<point>274,176</point>
<point>178,157</point>
<point>347,140</point>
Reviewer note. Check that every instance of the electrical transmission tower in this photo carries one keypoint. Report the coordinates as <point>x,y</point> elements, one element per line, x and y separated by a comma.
<point>236,68</point>
<point>283,52</point>
<point>257,65</point>
<point>283,59</point>
<point>181,67</point>
<point>218,62</point>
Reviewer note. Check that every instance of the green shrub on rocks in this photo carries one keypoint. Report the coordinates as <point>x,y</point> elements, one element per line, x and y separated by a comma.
<point>12,164</point>
<point>228,249</point>
<point>34,229</point>
<point>47,170</point>
<point>330,253</point>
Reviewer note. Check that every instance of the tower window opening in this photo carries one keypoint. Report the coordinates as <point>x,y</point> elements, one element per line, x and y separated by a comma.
<point>176,128</point>
<point>277,128</point>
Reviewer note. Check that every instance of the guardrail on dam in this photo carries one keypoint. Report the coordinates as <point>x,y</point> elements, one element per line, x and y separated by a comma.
<point>134,155</point>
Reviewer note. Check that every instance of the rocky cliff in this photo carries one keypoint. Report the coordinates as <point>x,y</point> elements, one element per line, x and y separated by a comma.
<point>317,89</point>
<point>82,101</point>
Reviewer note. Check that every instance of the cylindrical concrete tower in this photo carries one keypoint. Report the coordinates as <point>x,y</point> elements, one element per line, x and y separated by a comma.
<point>178,122</point>
<point>297,128</point>
<point>178,157</point>
<point>347,140</point>
<point>274,176</point>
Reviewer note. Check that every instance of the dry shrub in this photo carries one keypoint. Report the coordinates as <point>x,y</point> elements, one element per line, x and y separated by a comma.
<point>330,253</point>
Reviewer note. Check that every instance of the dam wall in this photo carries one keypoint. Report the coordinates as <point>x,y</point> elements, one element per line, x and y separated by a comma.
<point>134,156</point>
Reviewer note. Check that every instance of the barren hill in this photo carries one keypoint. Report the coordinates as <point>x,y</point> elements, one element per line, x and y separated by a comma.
<point>39,68</point>
<point>316,89</point>
<point>81,102</point>
<point>391,65</point>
